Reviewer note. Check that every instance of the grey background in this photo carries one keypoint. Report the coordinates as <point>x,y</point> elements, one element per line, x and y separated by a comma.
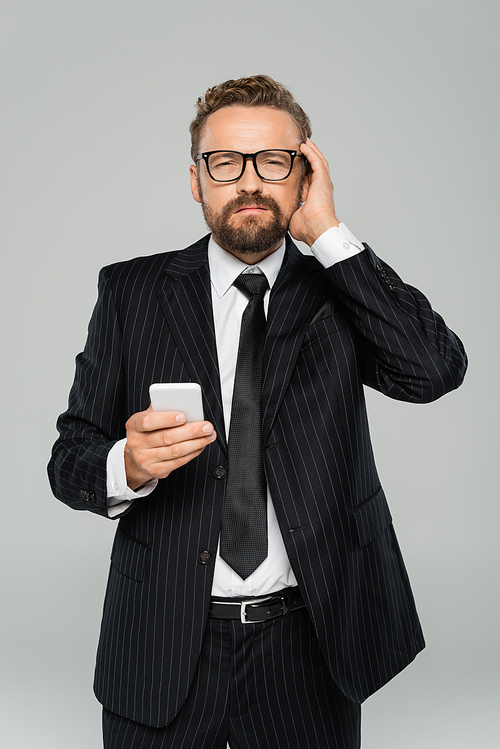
<point>97,98</point>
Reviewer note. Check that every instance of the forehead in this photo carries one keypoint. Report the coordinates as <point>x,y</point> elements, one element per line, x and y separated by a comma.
<point>249,129</point>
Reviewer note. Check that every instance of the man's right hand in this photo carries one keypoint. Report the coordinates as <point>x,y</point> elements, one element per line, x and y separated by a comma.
<point>158,442</point>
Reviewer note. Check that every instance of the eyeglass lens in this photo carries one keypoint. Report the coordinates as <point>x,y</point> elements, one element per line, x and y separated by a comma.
<point>271,165</point>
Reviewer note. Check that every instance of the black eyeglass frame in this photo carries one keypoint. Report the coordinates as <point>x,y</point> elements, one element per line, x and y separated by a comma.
<point>293,155</point>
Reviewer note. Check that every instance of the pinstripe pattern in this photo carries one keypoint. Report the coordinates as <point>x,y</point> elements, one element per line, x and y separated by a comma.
<point>264,685</point>
<point>329,331</point>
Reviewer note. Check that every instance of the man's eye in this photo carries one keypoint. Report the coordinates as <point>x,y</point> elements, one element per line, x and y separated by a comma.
<point>274,161</point>
<point>223,161</point>
<point>227,162</point>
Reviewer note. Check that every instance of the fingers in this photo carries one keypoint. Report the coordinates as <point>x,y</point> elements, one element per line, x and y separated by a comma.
<point>160,442</point>
<point>159,461</point>
<point>151,424</point>
<point>314,156</point>
<point>149,421</point>
<point>317,213</point>
<point>166,441</point>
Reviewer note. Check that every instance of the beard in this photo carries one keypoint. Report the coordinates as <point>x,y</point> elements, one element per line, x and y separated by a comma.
<point>255,234</point>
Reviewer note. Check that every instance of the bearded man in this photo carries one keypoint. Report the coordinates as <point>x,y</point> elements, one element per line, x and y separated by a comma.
<point>257,594</point>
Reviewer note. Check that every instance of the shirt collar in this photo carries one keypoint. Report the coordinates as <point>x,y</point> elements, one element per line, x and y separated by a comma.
<point>225,267</point>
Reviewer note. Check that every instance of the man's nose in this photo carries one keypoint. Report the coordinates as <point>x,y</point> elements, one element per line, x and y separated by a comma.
<point>249,182</point>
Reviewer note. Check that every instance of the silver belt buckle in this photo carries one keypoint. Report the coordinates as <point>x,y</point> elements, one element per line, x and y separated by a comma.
<point>244,604</point>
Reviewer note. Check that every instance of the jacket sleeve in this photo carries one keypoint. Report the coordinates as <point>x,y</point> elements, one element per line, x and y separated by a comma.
<point>94,420</point>
<point>407,352</point>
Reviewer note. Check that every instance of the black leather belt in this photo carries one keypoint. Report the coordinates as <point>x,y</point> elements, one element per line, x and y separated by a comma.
<point>258,609</point>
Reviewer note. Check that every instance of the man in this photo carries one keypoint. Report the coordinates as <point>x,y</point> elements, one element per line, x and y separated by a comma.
<point>275,496</point>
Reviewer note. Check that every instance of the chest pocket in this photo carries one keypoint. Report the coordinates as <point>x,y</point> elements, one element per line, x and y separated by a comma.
<point>323,326</point>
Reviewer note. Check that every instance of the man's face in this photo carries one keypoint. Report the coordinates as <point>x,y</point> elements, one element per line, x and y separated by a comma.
<point>248,217</point>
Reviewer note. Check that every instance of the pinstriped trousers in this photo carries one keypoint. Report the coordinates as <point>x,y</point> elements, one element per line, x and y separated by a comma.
<point>257,686</point>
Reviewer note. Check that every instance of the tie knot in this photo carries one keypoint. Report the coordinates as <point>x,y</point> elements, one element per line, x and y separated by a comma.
<point>252,284</point>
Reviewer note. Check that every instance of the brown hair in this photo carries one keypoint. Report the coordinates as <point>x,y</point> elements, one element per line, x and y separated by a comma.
<point>255,91</point>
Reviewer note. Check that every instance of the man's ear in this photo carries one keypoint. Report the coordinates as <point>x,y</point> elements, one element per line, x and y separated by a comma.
<point>305,185</point>
<point>195,187</point>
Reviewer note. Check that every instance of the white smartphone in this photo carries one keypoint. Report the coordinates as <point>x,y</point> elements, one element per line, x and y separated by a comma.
<point>178,396</point>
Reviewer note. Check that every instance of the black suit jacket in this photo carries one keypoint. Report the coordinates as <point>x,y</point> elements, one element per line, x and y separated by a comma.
<point>328,333</point>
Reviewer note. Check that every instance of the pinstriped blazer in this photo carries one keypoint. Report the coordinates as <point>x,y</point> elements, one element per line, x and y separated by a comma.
<point>329,332</point>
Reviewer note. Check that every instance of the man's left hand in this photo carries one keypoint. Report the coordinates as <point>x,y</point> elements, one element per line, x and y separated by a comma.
<point>317,213</point>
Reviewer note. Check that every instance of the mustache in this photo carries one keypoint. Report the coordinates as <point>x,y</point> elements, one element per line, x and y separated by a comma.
<point>244,201</point>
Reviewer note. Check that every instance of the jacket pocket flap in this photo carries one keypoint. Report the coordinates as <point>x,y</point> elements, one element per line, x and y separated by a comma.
<point>325,326</point>
<point>372,518</point>
<point>128,555</point>
<point>326,309</point>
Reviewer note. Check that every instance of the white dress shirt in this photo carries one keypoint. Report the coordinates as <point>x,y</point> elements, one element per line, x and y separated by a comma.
<point>228,303</point>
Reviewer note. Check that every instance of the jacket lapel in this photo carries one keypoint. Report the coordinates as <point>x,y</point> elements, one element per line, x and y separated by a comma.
<point>294,300</point>
<point>186,302</point>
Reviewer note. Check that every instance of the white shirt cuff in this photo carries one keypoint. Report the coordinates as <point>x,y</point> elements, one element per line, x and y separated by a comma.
<point>120,496</point>
<point>336,244</point>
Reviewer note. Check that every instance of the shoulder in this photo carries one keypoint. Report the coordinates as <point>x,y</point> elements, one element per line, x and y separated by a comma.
<point>136,275</point>
<point>299,264</point>
<point>145,265</point>
<point>297,261</point>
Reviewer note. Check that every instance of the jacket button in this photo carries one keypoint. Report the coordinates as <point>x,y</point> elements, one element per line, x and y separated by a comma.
<point>220,472</point>
<point>205,557</point>
<point>84,495</point>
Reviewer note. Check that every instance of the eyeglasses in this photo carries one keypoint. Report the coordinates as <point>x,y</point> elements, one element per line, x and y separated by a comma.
<point>228,166</point>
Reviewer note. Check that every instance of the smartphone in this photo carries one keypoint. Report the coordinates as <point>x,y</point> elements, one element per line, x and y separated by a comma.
<point>178,396</point>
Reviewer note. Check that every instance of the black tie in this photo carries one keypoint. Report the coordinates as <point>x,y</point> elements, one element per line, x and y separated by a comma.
<point>243,539</point>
